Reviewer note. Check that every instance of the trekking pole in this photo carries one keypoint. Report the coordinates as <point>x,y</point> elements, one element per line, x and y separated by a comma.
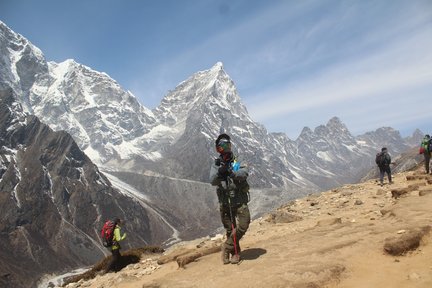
<point>233,225</point>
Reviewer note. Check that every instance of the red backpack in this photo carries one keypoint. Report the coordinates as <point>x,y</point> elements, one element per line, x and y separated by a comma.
<point>107,233</point>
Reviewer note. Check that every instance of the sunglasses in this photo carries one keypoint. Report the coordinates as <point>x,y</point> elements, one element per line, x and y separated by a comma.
<point>223,146</point>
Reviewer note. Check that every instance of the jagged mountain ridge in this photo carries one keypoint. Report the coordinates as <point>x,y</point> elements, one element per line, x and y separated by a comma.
<point>176,139</point>
<point>115,130</point>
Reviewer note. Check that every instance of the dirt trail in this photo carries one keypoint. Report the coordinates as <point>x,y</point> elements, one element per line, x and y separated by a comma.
<point>339,242</point>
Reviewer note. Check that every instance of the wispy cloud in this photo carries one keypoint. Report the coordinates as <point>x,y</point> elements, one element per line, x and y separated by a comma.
<point>378,74</point>
<point>387,60</point>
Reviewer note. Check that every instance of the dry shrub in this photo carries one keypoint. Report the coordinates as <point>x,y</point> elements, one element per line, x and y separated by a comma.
<point>185,259</point>
<point>128,257</point>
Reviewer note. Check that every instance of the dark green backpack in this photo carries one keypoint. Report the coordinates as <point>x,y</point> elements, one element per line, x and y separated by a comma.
<point>426,146</point>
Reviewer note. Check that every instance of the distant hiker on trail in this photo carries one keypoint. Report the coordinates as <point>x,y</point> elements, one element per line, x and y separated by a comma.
<point>426,150</point>
<point>114,245</point>
<point>233,196</point>
<point>383,160</point>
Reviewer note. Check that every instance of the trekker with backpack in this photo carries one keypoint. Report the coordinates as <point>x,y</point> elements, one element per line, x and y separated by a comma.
<point>383,160</point>
<point>233,195</point>
<point>112,236</point>
<point>425,149</point>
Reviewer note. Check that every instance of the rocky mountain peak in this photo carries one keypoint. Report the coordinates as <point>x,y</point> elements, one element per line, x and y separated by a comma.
<point>415,138</point>
<point>305,134</point>
<point>384,137</point>
<point>209,90</point>
<point>21,64</point>
<point>336,124</point>
<point>417,134</point>
<point>218,66</point>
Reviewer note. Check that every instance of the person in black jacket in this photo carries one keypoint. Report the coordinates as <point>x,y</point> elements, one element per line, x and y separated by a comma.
<point>383,161</point>
<point>233,196</point>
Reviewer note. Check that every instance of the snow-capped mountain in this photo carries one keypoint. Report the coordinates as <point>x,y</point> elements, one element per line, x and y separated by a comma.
<point>92,107</point>
<point>176,138</point>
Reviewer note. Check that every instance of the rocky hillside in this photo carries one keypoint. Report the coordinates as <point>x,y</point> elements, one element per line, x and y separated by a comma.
<point>54,200</point>
<point>350,236</point>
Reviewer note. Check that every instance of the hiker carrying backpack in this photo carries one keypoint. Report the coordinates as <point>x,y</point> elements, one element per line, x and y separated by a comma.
<point>383,161</point>
<point>426,149</point>
<point>111,235</point>
<point>233,195</point>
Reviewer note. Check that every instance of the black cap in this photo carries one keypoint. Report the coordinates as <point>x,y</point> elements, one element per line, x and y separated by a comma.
<point>222,136</point>
<point>383,149</point>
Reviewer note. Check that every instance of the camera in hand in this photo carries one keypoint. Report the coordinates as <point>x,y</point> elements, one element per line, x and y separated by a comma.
<point>224,171</point>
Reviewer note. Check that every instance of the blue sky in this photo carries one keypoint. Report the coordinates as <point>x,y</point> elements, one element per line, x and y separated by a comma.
<point>294,63</point>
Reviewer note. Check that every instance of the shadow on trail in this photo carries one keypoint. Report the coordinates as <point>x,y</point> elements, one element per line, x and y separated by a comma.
<point>252,254</point>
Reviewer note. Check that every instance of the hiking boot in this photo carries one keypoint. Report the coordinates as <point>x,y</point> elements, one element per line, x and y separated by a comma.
<point>235,259</point>
<point>225,254</point>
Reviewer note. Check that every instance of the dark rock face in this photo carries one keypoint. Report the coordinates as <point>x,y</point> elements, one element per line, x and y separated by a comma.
<point>53,202</point>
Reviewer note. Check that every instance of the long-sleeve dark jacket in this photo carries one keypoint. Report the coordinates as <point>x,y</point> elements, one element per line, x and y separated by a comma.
<point>237,190</point>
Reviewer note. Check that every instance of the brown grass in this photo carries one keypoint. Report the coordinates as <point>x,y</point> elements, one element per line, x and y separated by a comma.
<point>128,257</point>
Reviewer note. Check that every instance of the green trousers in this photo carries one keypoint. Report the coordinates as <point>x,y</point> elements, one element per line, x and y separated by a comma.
<point>241,216</point>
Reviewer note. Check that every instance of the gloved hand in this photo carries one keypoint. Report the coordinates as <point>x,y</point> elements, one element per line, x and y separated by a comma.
<point>224,171</point>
